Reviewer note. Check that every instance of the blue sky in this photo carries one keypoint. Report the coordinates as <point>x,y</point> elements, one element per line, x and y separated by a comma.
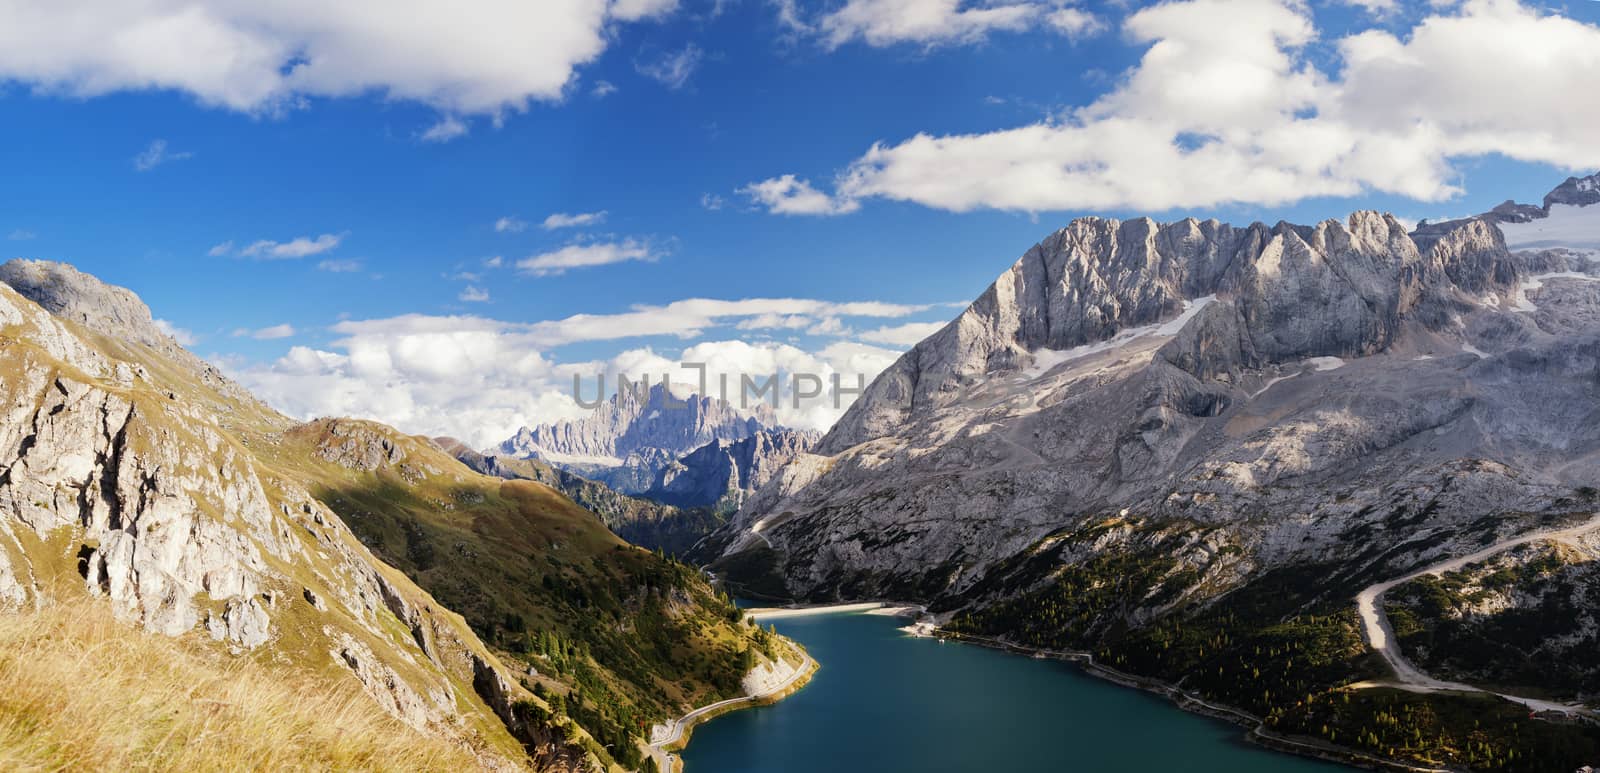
<point>669,117</point>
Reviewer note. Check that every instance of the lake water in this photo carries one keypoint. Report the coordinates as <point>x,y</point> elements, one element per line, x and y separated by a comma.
<point>885,702</point>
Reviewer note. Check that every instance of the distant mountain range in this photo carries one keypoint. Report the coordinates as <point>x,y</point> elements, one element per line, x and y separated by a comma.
<point>631,437</point>
<point>722,474</point>
<point>1187,448</point>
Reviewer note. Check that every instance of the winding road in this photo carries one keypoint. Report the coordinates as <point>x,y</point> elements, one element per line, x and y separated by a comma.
<point>1380,634</point>
<point>663,736</point>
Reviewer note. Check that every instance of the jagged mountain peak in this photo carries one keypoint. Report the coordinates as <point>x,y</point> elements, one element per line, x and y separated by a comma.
<point>1340,287</point>
<point>638,431</point>
<point>1576,191</point>
<point>71,294</point>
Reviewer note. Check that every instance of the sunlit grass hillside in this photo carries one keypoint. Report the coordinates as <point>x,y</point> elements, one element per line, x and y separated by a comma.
<point>81,691</point>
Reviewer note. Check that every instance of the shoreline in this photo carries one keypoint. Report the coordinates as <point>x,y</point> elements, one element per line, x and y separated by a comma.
<point>1194,704</point>
<point>779,613</point>
<point>680,730</point>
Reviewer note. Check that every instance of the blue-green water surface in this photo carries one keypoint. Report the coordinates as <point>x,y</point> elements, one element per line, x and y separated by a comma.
<point>886,702</point>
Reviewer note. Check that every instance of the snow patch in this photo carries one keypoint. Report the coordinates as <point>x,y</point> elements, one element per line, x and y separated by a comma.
<point>1521,302</point>
<point>1470,349</point>
<point>1044,360</point>
<point>555,458</point>
<point>1326,363</point>
<point>1567,226</point>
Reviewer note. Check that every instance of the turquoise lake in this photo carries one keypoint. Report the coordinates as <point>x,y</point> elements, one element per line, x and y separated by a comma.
<point>885,701</point>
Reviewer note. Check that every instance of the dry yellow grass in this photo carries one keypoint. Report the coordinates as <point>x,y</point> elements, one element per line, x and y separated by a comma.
<point>80,691</point>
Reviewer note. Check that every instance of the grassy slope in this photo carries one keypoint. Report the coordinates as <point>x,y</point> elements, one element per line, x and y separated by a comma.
<point>300,648</point>
<point>638,637</point>
<point>638,520</point>
<point>180,704</point>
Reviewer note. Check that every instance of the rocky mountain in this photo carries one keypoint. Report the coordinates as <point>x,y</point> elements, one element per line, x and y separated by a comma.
<point>634,434</point>
<point>642,521</point>
<point>721,475</point>
<point>1187,447</point>
<point>1559,222</point>
<point>498,615</point>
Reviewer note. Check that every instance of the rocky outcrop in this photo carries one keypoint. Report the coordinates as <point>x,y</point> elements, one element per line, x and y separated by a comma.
<point>141,475</point>
<point>635,433</point>
<point>721,475</point>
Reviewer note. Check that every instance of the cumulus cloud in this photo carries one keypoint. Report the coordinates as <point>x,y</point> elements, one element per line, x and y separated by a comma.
<point>886,22</point>
<point>155,154</point>
<point>480,379</point>
<point>473,294</point>
<point>788,195</point>
<point>901,335</point>
<point>267,249</point>
<point>634,10</point>
<point>1226,106</point>
<point>585,256</point>
<point>469,57</point>
<point>182,336</point>
<point>272,333</point>
<point>446,129</point>
<point>933,23</point>
<point>564,220</point>
<point>510,224</point>
<point>1075,23</point>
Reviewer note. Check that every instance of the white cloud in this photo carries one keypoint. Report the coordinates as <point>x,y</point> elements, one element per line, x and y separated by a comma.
<point>603,89</point>
<point>1227,107</point>
<point>182,336</point>
<point>585,256</point>
<point>711,201</point>
<point>1075,23</point>
<point>21,235</point>
<point>510,224</point>
<point>266,249</point>
<point>494,262</point>
<point>936,22</point>
<point>339,266</point>
<point>787,195</point>
<point>674,68</point>
<point>634,10</point>
<point>902,335</point>
<point>931,22</point>
<point>1378,8</point>
<point>469,57</point>
<point>446,129</point>
<point>272,333</point>
<point>564,220</point>
<point>156,154</point>
<point>473,294</point>
<point>481,380</point>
